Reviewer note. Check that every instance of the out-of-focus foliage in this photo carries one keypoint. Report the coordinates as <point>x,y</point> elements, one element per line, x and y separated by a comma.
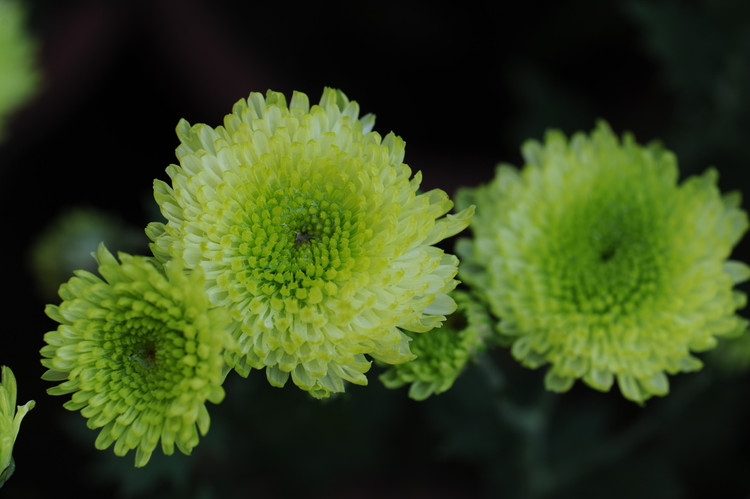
<point>702,50</point>
<point>18,74</point>
<point>67,243</point>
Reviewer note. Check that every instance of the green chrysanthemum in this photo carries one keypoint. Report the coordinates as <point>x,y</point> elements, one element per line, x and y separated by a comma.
<point>598,263</point>
<point>141,353</point>
<point>10,422</point>
<point>443,354</point>
<point>19,78</point>
<point>311,233</point>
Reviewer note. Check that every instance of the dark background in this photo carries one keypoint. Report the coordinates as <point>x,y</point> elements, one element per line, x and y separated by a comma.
<point>464,84</point>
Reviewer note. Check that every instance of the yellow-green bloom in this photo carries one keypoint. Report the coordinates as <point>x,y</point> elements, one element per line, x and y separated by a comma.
<point>310,231</point>
<point>597,262</point>
<point>140,351</point>
<point>443,354</point>
<point>18,78</point>
<point>10,422</point>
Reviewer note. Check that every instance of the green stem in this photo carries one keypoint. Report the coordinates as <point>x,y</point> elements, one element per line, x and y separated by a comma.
<point>617,447</point>
<point>531,424</point>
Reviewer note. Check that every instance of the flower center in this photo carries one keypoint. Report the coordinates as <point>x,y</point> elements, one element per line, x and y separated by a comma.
<point>302,238</point>
<point>145,357</point>
<point>612,252</point>
<point>292,241</point>
<point>607,253</point>
<point>145,351</point>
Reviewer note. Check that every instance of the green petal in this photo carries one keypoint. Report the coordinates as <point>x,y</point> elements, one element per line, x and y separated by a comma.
<point>738,271</point>
<point>557,383</point>
<point>630,388</point>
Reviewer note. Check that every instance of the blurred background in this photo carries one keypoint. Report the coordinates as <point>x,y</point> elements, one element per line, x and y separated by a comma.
<point>464,84</point>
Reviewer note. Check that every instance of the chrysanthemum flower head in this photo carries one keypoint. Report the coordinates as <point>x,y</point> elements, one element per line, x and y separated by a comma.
<point>310,231</point>
<point>600,264</point>
<point>442,355</point>
<point>140,351</point>
<point>19,77</point>
<point>10,422</point>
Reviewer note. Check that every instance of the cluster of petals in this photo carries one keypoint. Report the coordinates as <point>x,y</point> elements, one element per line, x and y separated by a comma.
<point>140,352</point>
<point>598,262</point>
<point>311,231</point>
<point>443,354</point>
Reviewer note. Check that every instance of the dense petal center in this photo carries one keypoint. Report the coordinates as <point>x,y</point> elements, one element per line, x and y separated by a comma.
<point>148,355</point>
<point>608,260</point>
<point>300,234</point>
<point>291,240</point>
